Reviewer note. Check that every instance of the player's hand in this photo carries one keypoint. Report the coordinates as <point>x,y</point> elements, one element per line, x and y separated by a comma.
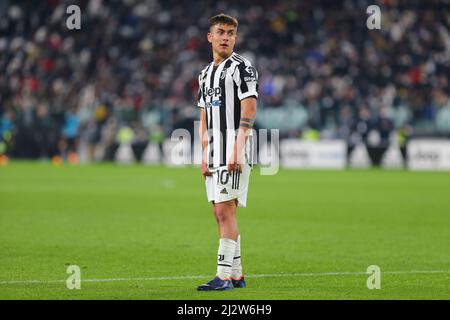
<point>234,164</point>
<point>205,170</point>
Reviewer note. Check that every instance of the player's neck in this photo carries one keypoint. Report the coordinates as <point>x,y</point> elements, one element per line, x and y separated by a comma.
<point>218,59</point>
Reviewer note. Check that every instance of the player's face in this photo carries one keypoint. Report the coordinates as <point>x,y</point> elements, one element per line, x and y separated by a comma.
<point>222,38</point>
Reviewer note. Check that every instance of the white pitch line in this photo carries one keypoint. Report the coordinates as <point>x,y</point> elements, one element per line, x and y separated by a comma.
<point>317,274</point>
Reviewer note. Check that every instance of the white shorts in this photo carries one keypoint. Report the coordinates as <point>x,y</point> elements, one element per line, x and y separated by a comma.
<point>223,186</point>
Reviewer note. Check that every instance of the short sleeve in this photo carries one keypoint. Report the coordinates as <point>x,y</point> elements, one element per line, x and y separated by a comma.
<point>246,79</point>
<point>200,98</point>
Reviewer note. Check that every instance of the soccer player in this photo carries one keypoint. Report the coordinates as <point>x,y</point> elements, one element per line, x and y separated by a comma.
<point>228,92</point>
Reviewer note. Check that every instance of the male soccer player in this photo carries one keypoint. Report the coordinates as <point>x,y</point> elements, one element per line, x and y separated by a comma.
<point>228,90</point>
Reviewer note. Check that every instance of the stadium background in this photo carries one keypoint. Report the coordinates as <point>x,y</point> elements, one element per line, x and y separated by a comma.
<point>134,65</point>
<point>129,77</point>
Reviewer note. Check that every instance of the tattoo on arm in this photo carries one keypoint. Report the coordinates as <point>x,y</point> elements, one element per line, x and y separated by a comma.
<point>247,122</point>
<point>245,125</point>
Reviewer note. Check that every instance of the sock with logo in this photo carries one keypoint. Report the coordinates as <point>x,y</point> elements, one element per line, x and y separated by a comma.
<point>225,255</point>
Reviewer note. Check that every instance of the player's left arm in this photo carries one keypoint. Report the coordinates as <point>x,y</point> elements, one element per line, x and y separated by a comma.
<point>248,116</point>
<point>246,80</point>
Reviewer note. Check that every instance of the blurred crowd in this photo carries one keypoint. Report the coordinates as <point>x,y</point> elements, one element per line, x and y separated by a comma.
<point>134,65</point>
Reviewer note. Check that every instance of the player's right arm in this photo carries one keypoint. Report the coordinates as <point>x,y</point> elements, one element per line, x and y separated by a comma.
<point>202,129</point>
<point>204,140</point>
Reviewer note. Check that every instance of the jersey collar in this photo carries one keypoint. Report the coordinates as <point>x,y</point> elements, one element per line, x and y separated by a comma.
<point>231,55</point>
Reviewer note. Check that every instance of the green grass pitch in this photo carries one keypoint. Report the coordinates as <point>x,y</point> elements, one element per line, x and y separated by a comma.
<point>147,232</point>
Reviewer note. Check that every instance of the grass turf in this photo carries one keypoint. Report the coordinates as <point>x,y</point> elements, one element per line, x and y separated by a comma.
<point>123,223</point>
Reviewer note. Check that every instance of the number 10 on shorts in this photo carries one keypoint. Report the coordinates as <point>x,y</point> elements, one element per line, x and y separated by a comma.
<point>223,176</point>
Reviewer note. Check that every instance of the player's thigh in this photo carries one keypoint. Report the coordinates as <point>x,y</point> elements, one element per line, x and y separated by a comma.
<point>225,209</point>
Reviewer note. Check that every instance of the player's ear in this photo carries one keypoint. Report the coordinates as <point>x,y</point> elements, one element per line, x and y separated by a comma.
<point>209,36</point>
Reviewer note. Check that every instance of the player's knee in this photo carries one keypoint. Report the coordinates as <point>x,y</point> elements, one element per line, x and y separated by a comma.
<point>222,215</point>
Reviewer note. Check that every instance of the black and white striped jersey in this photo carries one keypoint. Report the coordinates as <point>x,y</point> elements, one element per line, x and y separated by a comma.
<point>221,89</point>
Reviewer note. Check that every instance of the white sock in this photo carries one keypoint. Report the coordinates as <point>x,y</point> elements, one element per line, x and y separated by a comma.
<point>236,270</point>
<point>225,255</point>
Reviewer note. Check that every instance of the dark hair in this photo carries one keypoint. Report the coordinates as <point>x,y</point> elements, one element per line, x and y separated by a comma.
<point>224,19</point>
